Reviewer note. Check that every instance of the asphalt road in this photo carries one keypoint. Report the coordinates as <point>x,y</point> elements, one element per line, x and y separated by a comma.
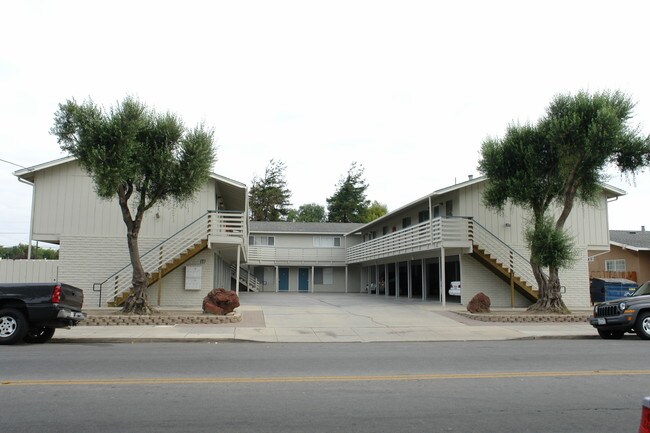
<point>508,386</point>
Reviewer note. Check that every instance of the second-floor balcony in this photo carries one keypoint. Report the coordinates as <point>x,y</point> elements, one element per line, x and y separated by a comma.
<point>311,256</point>
<point>226,227</point>
<point>428,235</point>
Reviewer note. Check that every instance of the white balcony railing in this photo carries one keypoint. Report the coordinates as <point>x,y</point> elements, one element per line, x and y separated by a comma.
<point>421,237</point>
<point>295,256</point>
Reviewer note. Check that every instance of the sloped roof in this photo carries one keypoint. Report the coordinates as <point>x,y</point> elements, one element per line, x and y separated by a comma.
<point>610,192</point>
<point>300,227</point>
<point>630,239</point>
<point>233,192</point>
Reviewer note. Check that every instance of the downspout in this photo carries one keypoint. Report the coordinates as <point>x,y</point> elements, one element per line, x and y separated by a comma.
<point>31,220</point>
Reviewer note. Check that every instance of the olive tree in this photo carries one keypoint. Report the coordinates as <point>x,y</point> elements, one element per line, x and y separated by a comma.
<point>139,157</point>
<point>547,166</point>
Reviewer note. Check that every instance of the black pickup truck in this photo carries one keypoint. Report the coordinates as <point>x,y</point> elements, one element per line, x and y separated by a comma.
<point>612,319</point>
<point>31,312</point>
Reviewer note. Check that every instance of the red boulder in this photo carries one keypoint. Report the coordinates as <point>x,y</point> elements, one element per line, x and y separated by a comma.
<point>220,301</point>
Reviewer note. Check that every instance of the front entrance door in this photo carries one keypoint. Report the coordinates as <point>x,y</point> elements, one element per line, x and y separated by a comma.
<point>303,279</point>
<point>283,276</point>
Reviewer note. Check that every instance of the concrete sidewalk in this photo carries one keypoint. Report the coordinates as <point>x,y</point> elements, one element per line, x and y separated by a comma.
<point>326,318</point>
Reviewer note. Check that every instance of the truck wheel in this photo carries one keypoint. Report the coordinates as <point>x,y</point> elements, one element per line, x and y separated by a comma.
<point>610,335</point>
<point>13,326</point>
<point>642,326</point>
<point>39,335</point>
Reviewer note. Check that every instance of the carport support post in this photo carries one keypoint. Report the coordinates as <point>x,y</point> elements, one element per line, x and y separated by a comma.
<point>443,292</point>
<point>409,277</point>
<point>424,282</point>
<point>376,279</point>
<point>313,272</point>
<point>396,267</point>
<point>277,279</point>
<point>238,265</point>
<point>386,291</point>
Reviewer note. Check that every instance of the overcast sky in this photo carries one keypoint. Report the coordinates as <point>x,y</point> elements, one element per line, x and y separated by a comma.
<point>407,89</point>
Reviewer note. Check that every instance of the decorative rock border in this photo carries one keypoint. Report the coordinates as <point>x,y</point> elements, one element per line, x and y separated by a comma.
<point>160,320</point>
<point>525,318</point>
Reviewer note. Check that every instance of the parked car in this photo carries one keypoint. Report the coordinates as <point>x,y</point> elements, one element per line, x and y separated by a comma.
<point>614,318</point>
<point>454,290</point>
<point>31,312</point>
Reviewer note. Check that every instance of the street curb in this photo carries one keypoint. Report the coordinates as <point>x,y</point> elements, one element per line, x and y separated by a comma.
<point>524,318</point>
<point>110,340</point>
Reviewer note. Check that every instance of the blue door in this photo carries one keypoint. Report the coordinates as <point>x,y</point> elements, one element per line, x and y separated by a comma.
<point>283,276</point>
<point>303,279</point>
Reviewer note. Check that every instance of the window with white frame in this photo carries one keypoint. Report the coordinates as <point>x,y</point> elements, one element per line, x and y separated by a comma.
<point>261,240</point>
<point>327,241</point>
<point>324,276</point>
<point>615,265</point>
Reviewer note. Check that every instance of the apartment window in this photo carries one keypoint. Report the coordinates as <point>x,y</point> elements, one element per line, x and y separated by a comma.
<point>615,265</point>
<point>261,240</point>
<point>423,216</point>
<point>406,222</point>
<point>449,207</point>
<point>324,276</point>
<point>384,231</point>
<point>327,241</point>
<point>436,211</point>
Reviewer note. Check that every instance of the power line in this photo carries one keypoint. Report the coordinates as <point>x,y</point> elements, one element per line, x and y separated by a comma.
<point>12,163</point>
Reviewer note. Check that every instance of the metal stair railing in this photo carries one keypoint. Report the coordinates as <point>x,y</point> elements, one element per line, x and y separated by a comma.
<point>498,250</point>
<point>246,278</point>
<point>154,260</point>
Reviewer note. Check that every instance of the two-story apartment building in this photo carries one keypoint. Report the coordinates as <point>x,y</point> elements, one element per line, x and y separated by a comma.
<point>186,249</point>
<point>416,251</point>
<point>303,257</point>
<point>450,235</point>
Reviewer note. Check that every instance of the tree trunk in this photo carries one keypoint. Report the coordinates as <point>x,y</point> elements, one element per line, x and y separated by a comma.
<point>550,299</point>
<point>137,302</point>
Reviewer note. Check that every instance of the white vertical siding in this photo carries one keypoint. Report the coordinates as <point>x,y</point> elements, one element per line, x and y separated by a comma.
<point>173,293</point>
<point>28,271</point>
<point>66,205</point>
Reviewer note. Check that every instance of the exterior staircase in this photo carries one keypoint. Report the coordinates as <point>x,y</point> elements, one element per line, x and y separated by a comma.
<point>165,269</point>
<point>503,261</point>
<point>170,254</point>
<point>246,279</point>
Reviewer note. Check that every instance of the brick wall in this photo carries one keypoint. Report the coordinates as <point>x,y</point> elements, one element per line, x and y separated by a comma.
<point>477,278</point>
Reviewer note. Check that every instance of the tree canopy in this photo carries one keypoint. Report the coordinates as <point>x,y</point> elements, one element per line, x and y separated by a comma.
<point>139,157</point>
<point>348,204</point>
<point>374,211</point>
<point>547,166</point>
<point>269,195</point>
<point>18,252</point>
<point>307,213</point>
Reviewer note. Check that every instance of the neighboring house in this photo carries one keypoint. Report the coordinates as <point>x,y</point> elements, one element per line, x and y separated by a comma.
<point>187,249</point>
<point>416,251</point>
<point>449,235</point>
<point>304,257</point>
<point>628,257</point>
